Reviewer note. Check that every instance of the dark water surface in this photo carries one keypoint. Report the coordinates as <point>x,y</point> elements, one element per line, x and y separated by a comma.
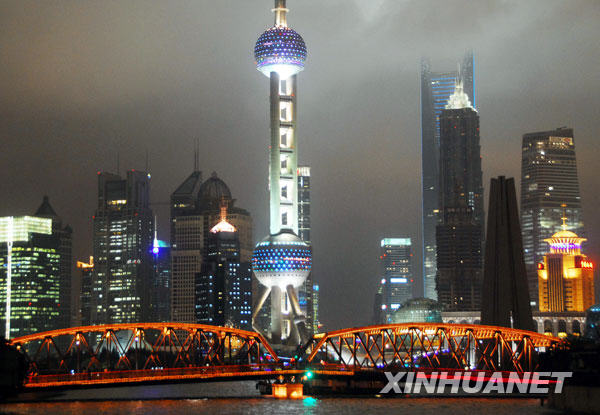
<point>268,406</point>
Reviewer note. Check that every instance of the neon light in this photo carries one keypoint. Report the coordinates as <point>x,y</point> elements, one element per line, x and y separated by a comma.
<point>398,280</point>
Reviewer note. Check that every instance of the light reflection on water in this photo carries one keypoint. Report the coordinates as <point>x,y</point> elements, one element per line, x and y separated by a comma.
<point>268,406</point>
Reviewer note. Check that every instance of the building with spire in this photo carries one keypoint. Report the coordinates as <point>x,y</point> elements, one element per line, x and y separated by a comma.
<point>195,210</point>
<point>224,285</point>
<point>282,261</point>
<point>565,276</point>
<point>459,233</point>
<point>436,89</point>
<point>548,180</point>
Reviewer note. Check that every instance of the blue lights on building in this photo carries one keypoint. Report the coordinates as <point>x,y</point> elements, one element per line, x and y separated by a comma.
<point>280,49</point>
<point>268,258</point>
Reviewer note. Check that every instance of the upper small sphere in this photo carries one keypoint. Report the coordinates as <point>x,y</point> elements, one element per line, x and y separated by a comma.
<point>280,49</point>
<point>282,259</point>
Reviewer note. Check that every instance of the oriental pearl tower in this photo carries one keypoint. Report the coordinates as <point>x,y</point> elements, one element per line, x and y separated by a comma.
<point>282,261</point>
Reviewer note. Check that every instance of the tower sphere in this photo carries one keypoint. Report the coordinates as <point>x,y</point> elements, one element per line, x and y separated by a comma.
<point>282,259</point>
<point>280,49</point>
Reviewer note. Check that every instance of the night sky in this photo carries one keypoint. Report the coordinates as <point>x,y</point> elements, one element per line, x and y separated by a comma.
<point>82,82</point>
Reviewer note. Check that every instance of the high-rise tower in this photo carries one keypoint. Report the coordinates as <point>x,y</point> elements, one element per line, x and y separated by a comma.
<point>548,179</point>
<point>282,261</point>
<point>459,232</point>
<point>436,88</point>
<point>396,276</point>
<point>123,230</point>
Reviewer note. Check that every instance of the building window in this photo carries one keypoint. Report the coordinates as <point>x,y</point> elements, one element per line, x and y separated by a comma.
<point>284,218</point>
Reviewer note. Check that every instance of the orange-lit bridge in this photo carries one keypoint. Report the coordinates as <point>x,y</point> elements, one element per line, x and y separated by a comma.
<point>168,352</point>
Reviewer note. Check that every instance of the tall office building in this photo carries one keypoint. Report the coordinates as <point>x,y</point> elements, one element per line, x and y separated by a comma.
<point>459,233</point>
<point>396,276</point>
<point>123,234</point>
<point>280,54</point>
<point>161,285</point>
<point>85,275</point>
<point>195,209</point>
<point>436,88</point>
<point>306,292</point>
<point>224,285</point>
<point>548,179</point>
<point>566,276</point>
<point>30,277</point>
<point>63,235</point>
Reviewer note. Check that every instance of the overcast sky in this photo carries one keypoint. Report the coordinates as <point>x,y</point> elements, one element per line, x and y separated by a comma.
<point>83,81</point>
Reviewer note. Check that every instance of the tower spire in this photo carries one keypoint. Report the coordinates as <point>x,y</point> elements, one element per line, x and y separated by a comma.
<point>564,225</point>
<point>280,13</point>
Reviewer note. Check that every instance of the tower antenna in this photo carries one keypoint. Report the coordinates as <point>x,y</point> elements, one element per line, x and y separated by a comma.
<point>564,225</point>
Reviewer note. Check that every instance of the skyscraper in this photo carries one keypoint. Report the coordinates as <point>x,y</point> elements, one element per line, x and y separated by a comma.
<point>86,276</point>
<point>459,232</point>
<point>195,209</point>
<point>396,276</point>
<point>306,293</point>
<point>280,54</point>
<point>123,233</point>
<point>63,239</point>
<point>436,88</point>
<point>29,275</point>
<point>161,285</point>
<point>548,180</point>
<point>566,276</point>
<point>224,285</point>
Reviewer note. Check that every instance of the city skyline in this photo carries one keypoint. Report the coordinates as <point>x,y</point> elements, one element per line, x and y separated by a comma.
<point>356,197</point>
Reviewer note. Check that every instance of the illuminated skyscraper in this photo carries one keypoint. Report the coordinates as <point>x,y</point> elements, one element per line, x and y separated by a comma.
<point>459,233</point>
<point>548,179</point>
<point>306,292</point>
<point>566,276</point>
<point>123,235</point>
<point>85,275</point>
<point>30,261</point>
<point>436,88</point>
<point>282,261</point>
<point>161,286</point>
<point>224,285</point>
<point>396,276</point>
<point>195,209</point>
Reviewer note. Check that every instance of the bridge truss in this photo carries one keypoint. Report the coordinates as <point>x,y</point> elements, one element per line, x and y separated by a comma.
<point>427,346</point>
<point>142,352</point>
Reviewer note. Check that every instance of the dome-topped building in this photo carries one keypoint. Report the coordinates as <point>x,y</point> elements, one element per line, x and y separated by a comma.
<point>212,192</point>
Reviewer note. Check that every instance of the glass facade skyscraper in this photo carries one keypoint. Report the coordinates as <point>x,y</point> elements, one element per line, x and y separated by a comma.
<point>548,180</point>
<point>123,235</point>
<point>35,275</point>
<point>436,88</point>
<point>396,276</point>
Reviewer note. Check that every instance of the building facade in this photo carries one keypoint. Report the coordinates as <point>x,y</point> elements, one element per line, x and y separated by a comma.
<point>460,229</point>
<point>565,276</point>
<point>86,276</point>
<point>396,276</point>
<point>548,180</point>
<point>30,277</point>
<point>195,209</point>
<point>306,292</point>
<point>123,235</point>
<point>436,88</point>
<point>224,285</point>
<point>161,287</point>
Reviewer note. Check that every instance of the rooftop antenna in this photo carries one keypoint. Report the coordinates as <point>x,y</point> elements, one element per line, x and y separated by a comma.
<point>196,154</point>
<point>118,163</point>
<point>564,225</point>
<point>147,162</point>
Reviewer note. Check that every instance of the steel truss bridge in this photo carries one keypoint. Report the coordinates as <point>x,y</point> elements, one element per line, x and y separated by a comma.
<point>167,352</point>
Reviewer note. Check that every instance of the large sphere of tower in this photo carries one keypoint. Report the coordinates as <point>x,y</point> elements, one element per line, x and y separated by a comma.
<point>282,259</point>
<point>280,49</point>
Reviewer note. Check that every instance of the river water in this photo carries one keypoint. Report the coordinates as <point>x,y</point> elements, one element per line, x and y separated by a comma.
<point>268,406</point>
